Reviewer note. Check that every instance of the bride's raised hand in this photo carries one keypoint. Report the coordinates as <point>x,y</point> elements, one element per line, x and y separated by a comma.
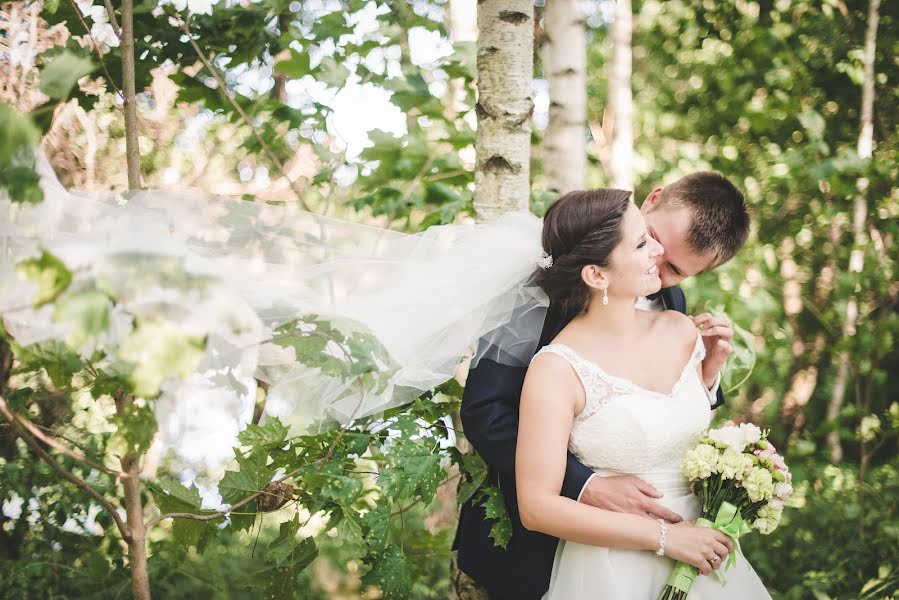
<point>702,547</point>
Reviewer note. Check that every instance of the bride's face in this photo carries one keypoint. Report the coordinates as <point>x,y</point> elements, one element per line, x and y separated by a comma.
<point>633,267</point>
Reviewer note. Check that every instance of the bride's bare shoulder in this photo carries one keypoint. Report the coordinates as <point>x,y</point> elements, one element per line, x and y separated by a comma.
<point>675,327</point>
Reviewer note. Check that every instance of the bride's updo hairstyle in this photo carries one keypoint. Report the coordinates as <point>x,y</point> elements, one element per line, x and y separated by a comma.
<point>582,228</point>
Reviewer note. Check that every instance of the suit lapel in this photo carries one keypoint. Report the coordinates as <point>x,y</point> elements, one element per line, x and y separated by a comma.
<point>673,299</point>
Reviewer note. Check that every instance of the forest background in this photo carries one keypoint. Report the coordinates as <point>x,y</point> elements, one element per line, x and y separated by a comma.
<point>270,101</point>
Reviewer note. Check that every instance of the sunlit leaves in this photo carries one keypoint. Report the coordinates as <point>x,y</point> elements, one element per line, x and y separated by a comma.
<point>273,433</point>
<point>332,72</point>
<point>87,313</point>
<point>158,350</point>
<point>49,273</point>
<point>136,426</point>
<point>296,66</point>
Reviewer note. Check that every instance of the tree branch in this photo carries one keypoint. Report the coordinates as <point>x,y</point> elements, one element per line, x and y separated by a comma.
<point>110,11</point>
<point>243,115</point>
<point>77,482</point>
<point>34,431</point>
<point>96,49</point>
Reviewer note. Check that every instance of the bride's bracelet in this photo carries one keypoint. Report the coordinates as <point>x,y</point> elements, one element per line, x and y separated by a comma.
<point>663,537</point>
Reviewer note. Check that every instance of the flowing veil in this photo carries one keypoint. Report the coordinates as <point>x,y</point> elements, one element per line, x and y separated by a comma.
<point>337,320</point>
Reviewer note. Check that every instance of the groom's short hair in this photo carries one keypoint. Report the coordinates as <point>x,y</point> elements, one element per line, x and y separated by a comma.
<point>720,217</point>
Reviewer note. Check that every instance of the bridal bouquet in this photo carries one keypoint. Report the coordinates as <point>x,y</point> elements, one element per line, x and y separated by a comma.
<point>743,484</point>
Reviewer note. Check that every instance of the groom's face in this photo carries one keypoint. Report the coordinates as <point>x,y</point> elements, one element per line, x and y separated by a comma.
<point>670,227</point>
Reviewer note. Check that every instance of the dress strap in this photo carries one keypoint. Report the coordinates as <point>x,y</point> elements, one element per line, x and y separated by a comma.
<point>698,350</point>
<point>597,389</point>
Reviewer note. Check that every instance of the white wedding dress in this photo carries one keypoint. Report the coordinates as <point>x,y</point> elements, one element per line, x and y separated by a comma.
<point>625,429</point>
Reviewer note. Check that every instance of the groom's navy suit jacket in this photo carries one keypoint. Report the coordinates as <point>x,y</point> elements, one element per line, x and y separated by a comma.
<point>490,421</point>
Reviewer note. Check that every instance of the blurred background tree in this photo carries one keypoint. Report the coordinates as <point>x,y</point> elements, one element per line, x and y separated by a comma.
<point>366,110</point>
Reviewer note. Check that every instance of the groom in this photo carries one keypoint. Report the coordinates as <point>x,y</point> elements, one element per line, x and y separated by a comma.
<point>701,222</point>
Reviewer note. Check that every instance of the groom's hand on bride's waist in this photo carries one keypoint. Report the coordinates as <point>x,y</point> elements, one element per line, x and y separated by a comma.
<point>626,494</point>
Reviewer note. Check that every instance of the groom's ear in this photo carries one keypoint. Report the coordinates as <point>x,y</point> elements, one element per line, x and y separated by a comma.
<point>651,201</point>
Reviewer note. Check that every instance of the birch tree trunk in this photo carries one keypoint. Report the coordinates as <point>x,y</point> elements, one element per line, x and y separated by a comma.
<point>504,108</point>
<point>860,211</point>
<point>621,104</point>
<point>565,66</point>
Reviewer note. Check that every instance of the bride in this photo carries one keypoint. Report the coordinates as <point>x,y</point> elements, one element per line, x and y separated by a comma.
<point>624,403</point>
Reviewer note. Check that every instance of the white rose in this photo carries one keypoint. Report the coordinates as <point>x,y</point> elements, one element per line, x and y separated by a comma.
<point>751,434</point>
<point>729,436</point>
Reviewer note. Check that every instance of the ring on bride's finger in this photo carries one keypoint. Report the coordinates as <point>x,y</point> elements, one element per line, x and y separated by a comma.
<point>715,559</point>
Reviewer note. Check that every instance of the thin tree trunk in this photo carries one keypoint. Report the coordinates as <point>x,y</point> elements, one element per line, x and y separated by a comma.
<point>504,108</point>
<point>565,67</point>
<point>134,510</point>
<point>132,150</point>
<point>137,545</point>
<point>621,99</point>
<point>856,258</point>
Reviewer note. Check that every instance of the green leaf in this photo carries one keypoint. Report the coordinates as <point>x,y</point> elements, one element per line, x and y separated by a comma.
<point>331,72</point>
<point>296,66</point>
<point>464,62</point>
<point>474,470</point>
<point>189,532</point>
<point>495,508</point>
<point>51,6</point>
<point>375,526</point>
<point>339,488</point>
<point>23,184</point>
<point>350,524</point>
<point>158,350</point>
<point>253,475</point>
<point>87,311</point>
<point>284,546</point>
<point>136,426</point>
<point>52,356</point>
<point>62,73</point>
<point>414,471</point>
<point>170,495</point>
<point>390,571</point>
<point>273,433</point>
<point>49,273</point>
<point>17,133</point>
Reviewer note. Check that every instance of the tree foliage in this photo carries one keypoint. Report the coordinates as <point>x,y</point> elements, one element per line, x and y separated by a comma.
<point>766,92</point>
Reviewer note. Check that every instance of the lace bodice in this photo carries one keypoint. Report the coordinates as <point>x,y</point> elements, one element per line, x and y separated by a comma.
<point>629,429</point>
